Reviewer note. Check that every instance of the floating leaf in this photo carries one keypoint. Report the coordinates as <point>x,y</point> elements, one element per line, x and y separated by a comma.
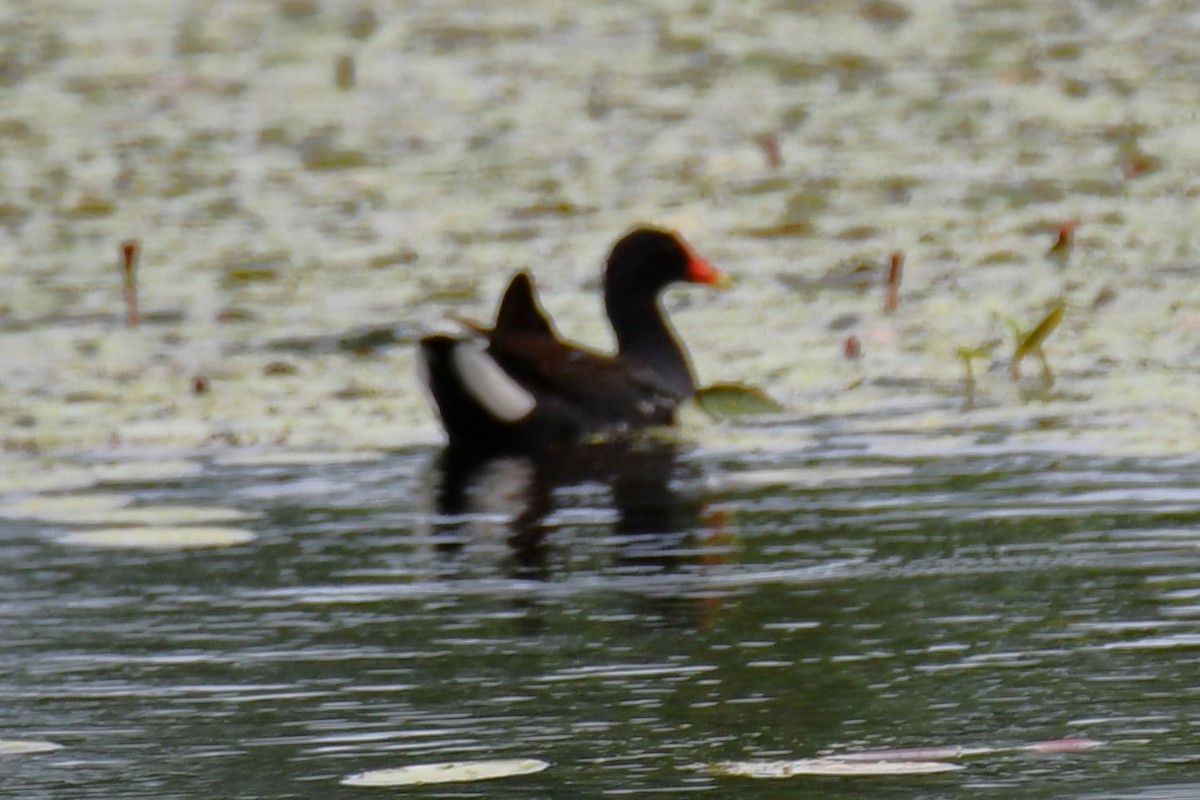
<point>829,766</point>
<point>1072,745</point>
<point>63,507</point>
<point>447,772</point>
<point>853,274</point>
<point>150,515</point>
<point>288,458</point>
<point>735,400</point>
<point>794,228</point>
<point>922,753</point>
<point>44,477</point>
<point>112,509</point>
<point>159,538</point>
<point>145,471</point>
<point>967,355</point>
<point>812,476</point>
<point>22,746</point>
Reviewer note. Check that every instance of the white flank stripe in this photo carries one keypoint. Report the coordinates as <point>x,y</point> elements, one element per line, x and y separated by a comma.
<point>422,368</point>
<point>425,377</point>
<point>500,395</point>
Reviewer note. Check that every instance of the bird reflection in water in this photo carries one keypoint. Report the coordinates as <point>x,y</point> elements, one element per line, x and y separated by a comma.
<point>657,513</point>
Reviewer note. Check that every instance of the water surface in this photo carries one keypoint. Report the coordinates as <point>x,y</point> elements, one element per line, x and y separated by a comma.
<point>808,601</point>
<point>903,559</point>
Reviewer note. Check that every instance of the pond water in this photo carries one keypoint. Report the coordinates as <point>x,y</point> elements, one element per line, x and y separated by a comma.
<point>628,618</point>
<point>235,564</point>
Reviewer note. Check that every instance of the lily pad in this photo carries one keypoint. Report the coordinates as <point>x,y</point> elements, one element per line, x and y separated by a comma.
<point>811,476</point>
<point>44,477</point>
<point>63,507</point>
<point>829,766</point>
<point>934,753</point>
<point>91,510</point>
<point>168,515</point>
<point>21,746</point>
<point>305,458</point>
<point>159,538</point>
<point>723,400</point>
<point>446,772</point>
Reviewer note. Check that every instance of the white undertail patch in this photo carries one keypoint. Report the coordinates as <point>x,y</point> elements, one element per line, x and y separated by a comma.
<point>425,378</point>
<point>501,396</point>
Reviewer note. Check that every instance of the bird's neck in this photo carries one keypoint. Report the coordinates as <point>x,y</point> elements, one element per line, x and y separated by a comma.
<point>645,336</point>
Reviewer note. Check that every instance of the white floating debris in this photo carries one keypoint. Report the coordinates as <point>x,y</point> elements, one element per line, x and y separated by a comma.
<point>807,477</point>
<point>145,471</point>
<point>44,477</point>
<point>829,766</point>
<point>100,509</point>
<point>159,538</point>
<point>10,747</point>
<point>63,507</point>
<point>447,772</point>
<point>941,752</point>
<point>165,515</point>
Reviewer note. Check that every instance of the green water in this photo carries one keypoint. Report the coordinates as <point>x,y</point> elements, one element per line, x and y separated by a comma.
<point>992,599</point>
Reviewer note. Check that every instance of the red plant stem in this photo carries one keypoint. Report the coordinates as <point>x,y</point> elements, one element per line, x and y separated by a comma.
<point>893,284</point>
<point>769,143</point>
<point>1062,242</point>
<point>129,255</point>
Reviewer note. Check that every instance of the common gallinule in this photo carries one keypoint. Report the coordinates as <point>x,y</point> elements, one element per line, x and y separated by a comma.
<point>517,386</point>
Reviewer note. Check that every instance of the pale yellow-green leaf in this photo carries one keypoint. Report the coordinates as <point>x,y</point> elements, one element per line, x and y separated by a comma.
<point>305,458</point>
<point>735,400</point>
<point>447,772</point>
<point>22,746</point>
<point>145,471</point>
<point>63,507</point>
<point>93,510</point>
<point>159,538</point>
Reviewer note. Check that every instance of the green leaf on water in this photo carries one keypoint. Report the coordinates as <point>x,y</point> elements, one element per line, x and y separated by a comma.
<point>447,772</point>
<point>723,400</point>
